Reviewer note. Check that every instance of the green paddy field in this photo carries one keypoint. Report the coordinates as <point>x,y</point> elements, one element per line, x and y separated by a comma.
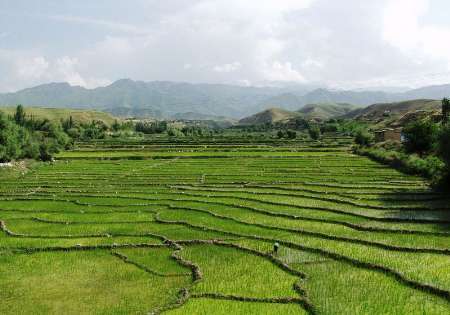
<point>149,228</point>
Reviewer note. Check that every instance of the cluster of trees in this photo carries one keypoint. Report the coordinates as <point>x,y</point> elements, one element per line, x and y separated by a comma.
<point>22,137</point>
<point>426,138</point>
<point>425,149</point>
<point>288,134</point>
<point>151,127</point>
<point>84,131</point>
<point>26,137</point>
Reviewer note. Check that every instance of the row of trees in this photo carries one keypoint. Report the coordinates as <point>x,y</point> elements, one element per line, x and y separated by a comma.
<point>426,138</point>
<point>30,138</point>
<point>26,137</point>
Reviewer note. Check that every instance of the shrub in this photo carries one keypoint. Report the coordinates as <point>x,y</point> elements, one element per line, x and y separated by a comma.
<point>291,134</point>
<point>314,132</point>
<point>444,152</point>
<point>420,136</point>
<point>430,167</point>
<point>363,138</point>
<point>280,134</point>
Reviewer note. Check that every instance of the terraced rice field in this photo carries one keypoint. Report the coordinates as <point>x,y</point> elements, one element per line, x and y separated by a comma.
<point>189,229</point>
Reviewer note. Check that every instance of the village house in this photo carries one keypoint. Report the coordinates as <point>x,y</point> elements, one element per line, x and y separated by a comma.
<point>388,134</point>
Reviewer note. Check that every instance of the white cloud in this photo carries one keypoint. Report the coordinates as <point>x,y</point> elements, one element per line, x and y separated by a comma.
<point>111,25</point>
<point>278,71</point>
<point>312,63</point>
<point>66,69</point>
<point>31,68</point>
<point>228,67</point>
<point>341,43</point>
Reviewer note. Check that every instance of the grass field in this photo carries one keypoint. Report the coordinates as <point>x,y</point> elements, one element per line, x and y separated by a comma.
<point>56,114</point>
<point>148,228</point>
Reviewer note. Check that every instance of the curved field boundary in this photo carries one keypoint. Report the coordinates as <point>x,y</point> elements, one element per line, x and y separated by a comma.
<point>445,294</point>
<point>299,195</point>
<point>127,260</point>
<point>160,197</point>
<point>326,236</point>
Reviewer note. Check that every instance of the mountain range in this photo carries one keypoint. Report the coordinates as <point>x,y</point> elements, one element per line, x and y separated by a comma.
<point>128,98</point>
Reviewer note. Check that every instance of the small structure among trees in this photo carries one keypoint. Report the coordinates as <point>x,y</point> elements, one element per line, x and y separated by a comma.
<point>388,134</point>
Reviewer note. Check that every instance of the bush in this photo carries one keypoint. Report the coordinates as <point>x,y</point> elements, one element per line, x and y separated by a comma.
<point>280,134</point>
<point>444,153</point>
<point>430,167</point>
<point>420,136</point>
<point>314,132</point>
<point>363,138</point>
<point>291,134</point>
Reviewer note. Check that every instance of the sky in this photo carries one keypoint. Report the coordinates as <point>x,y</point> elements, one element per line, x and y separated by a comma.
<point>345,44</point>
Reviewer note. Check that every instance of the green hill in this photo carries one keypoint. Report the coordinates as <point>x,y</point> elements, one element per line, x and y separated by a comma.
<point>56,114</point>
<point>324,111</point>
<point>398,109</point>
<point>270,115</point>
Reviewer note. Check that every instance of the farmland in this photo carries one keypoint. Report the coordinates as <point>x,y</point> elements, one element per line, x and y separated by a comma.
<point>188,228</point>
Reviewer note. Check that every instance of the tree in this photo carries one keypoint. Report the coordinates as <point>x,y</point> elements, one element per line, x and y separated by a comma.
<point>445,111</point>
<point>19,116</point>
<point>280,134</point>
<point>115,126</point>
<point>68,123</point>
<point>420,136</point>
<point>314,132</point>
<point>444,145</point>
<point>291,134</point>
<point>363,138</point>
<point>444,152</point>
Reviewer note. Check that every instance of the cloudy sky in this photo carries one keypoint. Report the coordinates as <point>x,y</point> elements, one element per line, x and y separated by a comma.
<point>343,44</point>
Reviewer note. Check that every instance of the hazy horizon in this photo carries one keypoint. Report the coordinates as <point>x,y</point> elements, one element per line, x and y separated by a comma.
<point>287,85</point>
<point>341,45</point>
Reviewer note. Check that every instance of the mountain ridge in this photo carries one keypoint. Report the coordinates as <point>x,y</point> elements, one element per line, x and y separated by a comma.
<point>162,99</point>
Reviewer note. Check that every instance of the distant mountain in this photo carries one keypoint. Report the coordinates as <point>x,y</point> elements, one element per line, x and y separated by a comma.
<point>288,101</point>
<point>198,116</point>
<point>352,97</point>
<point>271,115</point>
<point>380,111</point>
<point>157,99</point>
<point>324,111</point>
<point>143,99</point>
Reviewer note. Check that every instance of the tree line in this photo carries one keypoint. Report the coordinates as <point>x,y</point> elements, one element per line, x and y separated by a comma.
<point>425,148</point>
<point>23,136</point>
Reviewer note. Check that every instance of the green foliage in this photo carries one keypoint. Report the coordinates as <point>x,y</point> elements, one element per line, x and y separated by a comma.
<point>430,167</point>
<point>329,127</point>
<point>196,131</point>
<point>445,110</point>
<point>151,127</point>
<point>420,136</point>
<point>444,152</point>
<point>23,137</point>
<point>10,141</point>
<point>444,145</point>
<point>280,134</point>
<point>314,132</point>
<point>291,134</point>
<point>363,138</point>
<point>174,132</point>
<point>19,116</point>
<point>288,134</point>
